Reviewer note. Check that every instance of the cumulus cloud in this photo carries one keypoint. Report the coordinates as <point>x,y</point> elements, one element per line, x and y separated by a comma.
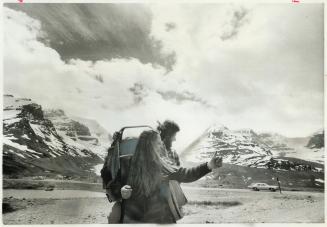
<point>97,31</point>
<point>139,92</point>
<point>262,73</point>
<point>266,76</point>
<point>117,93</point>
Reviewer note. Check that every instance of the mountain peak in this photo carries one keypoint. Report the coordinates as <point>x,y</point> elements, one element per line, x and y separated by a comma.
<point>247,148</point>
<point>318,132</point>
<point>246,131</point>
<point>238,147</point>
<point>33,142</point>
<point>216,128</point>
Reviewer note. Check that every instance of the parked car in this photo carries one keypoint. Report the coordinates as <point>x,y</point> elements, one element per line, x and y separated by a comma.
<point>262,186</point>
<point>49,188</point>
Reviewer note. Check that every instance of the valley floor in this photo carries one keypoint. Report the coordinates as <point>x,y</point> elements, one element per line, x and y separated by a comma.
<point>206,205</point>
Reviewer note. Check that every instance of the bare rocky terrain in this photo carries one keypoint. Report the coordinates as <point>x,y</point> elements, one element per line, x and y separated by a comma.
<point>206,205</point>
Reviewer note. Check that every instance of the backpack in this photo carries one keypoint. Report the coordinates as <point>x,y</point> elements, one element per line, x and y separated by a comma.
<point>117,162</point>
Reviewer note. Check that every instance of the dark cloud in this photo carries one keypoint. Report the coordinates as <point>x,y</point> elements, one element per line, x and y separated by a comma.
<point>238,20</point>
<point>97,31</point>
<point>140,92</point>
<point>182,97</point>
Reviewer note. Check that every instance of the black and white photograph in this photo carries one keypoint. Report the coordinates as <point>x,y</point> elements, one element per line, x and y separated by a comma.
<point>163,113</point>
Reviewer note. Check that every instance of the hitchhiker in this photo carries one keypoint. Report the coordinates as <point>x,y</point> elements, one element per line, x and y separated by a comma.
<point>149,175</point>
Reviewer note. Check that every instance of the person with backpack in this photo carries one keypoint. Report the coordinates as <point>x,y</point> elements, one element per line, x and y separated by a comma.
<point>167,130</point>
<point>149,174</point>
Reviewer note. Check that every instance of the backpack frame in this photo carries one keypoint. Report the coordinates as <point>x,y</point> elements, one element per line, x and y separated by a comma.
<point>119,154</point>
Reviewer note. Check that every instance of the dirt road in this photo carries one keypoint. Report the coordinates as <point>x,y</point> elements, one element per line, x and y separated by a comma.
<point>205,206</point>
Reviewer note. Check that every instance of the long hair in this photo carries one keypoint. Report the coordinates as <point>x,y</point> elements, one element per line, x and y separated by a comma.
<point>149,164</point>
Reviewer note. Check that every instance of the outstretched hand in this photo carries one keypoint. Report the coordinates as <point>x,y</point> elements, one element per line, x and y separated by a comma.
<point>215,162</point>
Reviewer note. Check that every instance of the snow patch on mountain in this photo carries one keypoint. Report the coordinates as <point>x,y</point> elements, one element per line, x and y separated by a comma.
<point>27,134</point>
<point>83,133</point>
<point>236,147</point>
<point>245,147</point>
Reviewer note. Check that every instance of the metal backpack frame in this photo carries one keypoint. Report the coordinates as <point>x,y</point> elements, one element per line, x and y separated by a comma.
<point>117,156</point>
<point>115,164</point>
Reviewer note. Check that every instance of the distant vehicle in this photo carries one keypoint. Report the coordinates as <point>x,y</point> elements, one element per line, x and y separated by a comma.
<point>262,186</point>
<point>49,188</point>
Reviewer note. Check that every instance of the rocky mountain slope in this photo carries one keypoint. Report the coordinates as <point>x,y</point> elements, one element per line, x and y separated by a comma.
<point>310,148</point>
<point>236,147</point>
<point>84,132</point>
<point>251,157</point>
<point>248,148</point>
<point>33,146</point>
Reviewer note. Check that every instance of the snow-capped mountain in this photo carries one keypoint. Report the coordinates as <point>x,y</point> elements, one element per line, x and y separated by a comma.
<point>95,128</point>
<point>310,148</point>
<point>248,148</point>
<point>236,147</point>
<point>31,142</point>
<point>86,133</point>
<point>251,157</point>
<point>274,141</point>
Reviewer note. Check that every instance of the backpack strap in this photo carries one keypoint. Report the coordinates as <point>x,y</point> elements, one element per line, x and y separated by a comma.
<point>124,171</point>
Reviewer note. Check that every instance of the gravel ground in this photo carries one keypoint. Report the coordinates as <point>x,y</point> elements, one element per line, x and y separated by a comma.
<point>205,206</point>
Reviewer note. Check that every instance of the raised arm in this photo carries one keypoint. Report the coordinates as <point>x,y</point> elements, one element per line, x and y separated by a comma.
<point>187,175</point>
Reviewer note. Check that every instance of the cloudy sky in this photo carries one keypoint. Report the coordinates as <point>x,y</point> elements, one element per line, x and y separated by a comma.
<point>243,66</point>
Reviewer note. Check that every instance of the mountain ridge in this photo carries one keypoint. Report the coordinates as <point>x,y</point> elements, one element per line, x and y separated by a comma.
<point>235,144</point>
<point>34,145</point>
